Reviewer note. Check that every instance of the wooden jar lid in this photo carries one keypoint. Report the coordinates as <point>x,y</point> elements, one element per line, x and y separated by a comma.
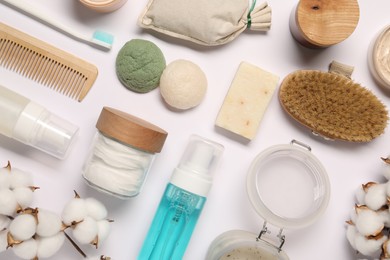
<point>131,130</point>
<point>320,23</point>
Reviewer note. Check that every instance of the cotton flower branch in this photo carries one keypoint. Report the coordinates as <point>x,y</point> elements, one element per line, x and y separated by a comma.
<point>36,233</point>
<point>369,225</point>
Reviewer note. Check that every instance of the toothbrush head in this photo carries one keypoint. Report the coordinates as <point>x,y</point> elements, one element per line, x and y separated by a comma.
<point>102,39</point>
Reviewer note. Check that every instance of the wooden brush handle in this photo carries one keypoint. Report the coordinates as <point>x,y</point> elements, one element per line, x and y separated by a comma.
<point>341,69</point>
<point>322,23</point>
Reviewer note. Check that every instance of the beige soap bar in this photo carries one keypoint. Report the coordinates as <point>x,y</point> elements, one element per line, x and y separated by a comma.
<point>247,100</point>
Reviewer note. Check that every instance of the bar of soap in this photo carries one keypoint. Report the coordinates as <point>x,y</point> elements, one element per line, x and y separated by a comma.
<point>247,100</point>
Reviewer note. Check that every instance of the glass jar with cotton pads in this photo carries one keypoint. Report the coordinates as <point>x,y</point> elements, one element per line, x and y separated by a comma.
<point>289,188</point>
<point>379,57</point>
<point>103,6</point>
<point>122,153</point>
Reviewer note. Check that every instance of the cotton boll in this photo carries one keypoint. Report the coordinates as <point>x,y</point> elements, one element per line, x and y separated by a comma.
<point>26,250</point>
<point>5,179</point>
<point>23,227</point>
<point>95,209</point>
<point>24,196</point>
<point>74,210</point>
<point>49,223</point>
<point>360,195</point>
<point>103,231</point>
<point>369,222</point>
<point>100,257</point>
<point>48,246</point>
<point>86,231</point>
<point>385,215</point>
<point>376,196</point>
<point>353,215</point>
<point>3,240</point>
<point>386,249</point>
<point>388,188</point>
<point>4,222</point>
<point>386,170</point>
<point>369,247</point>
<point>20,178</point>
<point>8,203</point>
<point>351,235</point>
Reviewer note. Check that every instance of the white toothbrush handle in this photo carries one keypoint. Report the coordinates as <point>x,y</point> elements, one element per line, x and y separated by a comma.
<point>30,9</point>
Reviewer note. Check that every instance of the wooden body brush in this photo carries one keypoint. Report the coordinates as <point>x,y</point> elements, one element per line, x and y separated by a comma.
<point>332,105</point>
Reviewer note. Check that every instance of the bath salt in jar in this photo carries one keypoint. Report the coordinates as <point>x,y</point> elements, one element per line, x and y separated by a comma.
<point>122,153</point>
<point>289,188</point>
<point>379,57</point>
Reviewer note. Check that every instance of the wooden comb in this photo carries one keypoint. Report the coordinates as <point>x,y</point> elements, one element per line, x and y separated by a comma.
<point>45,63</point>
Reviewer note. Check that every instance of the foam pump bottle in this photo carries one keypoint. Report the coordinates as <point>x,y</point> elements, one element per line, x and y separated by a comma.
<point>182,202</point>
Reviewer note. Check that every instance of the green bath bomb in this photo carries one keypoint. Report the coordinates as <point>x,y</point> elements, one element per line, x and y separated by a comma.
<point>139,65</point>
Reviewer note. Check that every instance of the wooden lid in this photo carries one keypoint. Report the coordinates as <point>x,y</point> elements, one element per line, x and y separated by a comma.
<point>131,130</point>
<point>325,23</point>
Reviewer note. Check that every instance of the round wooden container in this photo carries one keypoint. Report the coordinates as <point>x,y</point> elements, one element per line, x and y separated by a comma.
<point>103,6</point>
<point>320,24</point>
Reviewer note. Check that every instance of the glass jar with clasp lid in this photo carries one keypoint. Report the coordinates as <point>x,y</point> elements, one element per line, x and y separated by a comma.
<point>289,188</point>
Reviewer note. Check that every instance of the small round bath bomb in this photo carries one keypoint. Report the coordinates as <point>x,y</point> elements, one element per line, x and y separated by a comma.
<point>139,65</point>
<point>183,84</point>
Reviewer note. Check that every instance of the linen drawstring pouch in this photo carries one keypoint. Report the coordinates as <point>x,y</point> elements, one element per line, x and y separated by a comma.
<point>205,22</point>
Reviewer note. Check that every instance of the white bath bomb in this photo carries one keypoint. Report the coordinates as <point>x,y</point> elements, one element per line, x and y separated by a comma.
<point>183,84</point>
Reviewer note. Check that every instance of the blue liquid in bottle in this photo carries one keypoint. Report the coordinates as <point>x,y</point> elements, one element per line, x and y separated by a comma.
<point>182,202</point>
<point>172,225</point>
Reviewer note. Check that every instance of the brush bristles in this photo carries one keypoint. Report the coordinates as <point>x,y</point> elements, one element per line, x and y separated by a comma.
<point>103,39</point>
<point>333,106</point>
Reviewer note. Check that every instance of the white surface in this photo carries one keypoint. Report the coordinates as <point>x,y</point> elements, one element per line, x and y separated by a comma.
<point>228,207</point>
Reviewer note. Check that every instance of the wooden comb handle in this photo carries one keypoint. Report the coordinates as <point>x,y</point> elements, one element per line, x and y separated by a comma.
<point>322,23</point>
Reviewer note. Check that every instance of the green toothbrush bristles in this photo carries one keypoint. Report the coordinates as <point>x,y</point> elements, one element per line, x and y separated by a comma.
<point>103,39</point>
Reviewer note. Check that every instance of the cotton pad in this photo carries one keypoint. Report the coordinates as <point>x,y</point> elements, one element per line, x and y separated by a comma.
<point>183,84</point>
<point>139,65</point>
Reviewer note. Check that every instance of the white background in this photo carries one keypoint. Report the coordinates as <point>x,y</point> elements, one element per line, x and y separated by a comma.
<point>348,164</point>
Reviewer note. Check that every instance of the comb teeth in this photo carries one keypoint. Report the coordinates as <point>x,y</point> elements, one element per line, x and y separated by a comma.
<point>41,69</point>
<point>43,63</point>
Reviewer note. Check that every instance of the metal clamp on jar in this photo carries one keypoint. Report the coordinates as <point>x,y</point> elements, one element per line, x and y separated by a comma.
<point>289,188</point>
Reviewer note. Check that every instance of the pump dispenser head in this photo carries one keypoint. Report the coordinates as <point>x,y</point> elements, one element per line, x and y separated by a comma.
<point>199,161</point>
<point>38,127</point>
<point>34,125</point>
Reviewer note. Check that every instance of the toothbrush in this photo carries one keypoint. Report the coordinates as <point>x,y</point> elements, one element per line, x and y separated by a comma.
<point>99,39</point>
